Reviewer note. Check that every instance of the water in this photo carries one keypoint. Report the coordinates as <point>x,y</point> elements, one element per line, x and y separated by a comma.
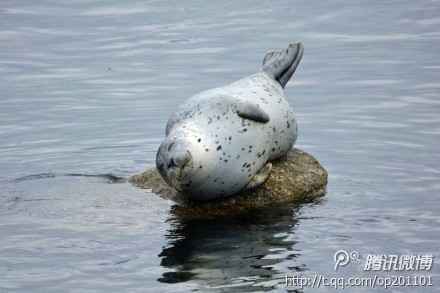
<point>86,88</point>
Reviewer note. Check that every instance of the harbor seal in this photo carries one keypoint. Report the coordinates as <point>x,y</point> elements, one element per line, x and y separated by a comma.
<point>222,140</point>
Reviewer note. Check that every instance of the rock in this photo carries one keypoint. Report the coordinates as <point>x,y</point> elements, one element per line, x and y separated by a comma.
<point>298,177</point>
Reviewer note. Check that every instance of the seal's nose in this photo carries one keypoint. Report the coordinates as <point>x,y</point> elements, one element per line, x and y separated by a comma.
<point>179,165</point>
<point>179,160</point>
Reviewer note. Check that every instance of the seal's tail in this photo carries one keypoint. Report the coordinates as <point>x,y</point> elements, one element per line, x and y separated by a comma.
<point>281,64</point>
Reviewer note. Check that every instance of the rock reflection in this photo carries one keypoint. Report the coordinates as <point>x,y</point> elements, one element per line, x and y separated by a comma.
<point>238,252</point>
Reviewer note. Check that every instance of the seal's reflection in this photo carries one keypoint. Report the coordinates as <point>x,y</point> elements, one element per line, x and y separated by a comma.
<point>242,251</point>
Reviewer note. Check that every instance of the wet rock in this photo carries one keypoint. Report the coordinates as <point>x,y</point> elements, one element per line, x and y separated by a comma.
<point>298,177</point>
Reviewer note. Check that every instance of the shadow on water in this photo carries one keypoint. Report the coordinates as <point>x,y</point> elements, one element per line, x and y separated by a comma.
<point>227,253</point>
<point>108,177</point>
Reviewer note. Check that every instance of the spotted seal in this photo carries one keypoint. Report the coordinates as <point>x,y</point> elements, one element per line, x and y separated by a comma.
<point>222,140</point>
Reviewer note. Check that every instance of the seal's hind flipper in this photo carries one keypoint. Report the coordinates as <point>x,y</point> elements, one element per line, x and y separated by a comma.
<point>260,177</point>
<point>281,65</point>
<point>252,112</point>
<point>269,56</point>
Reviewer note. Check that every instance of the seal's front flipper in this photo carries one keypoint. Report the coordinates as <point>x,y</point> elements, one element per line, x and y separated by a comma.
<point>260,177</point>
<point>281,65</point>
<point>252,112</point>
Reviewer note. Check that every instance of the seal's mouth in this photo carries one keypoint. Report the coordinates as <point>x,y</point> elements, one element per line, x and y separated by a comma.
<point>179,169</point>
<point>183,167</point>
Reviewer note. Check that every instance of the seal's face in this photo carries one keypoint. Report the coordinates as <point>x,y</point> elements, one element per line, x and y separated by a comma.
<point>175,163</point>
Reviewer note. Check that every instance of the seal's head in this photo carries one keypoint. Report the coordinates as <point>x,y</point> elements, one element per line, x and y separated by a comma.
<point>183,159</point>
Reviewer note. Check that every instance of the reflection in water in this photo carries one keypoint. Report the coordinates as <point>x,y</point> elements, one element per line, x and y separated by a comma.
<point>241,251</point>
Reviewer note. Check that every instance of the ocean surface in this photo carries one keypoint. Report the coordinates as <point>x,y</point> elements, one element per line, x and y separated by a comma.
<point>86,88</point>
